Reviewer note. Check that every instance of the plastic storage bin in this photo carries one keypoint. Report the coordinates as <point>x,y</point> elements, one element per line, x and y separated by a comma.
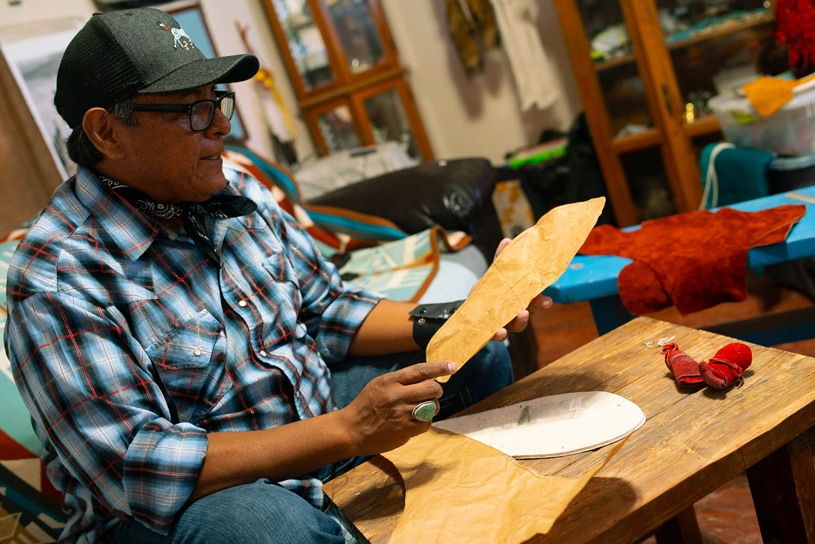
<point>789,174</point>
<point>789,131</point>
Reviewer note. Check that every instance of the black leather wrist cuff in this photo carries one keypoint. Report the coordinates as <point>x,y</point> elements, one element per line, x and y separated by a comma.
<point>428,318</point>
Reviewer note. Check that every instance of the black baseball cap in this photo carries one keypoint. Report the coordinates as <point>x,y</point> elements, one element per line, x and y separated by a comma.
<point>120,53</point>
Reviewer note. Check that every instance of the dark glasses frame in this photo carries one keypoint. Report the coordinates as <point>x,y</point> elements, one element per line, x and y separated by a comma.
<point>224,101</point>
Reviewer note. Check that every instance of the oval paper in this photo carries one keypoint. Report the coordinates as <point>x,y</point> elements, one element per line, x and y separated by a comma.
<point>552,426</point>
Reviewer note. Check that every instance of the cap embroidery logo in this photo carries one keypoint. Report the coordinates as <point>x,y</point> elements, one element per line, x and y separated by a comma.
<point>178,34</point>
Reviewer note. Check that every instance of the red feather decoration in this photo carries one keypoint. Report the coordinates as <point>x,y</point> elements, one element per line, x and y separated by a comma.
<point>795,28</point>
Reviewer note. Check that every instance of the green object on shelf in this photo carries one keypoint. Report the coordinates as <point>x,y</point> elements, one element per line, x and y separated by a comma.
<point>741,118</point>
<point>538,157</point>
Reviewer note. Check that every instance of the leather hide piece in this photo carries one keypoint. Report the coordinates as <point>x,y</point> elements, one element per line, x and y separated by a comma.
<point>694,260</point>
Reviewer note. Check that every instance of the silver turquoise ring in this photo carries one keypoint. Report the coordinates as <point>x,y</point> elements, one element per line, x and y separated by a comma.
<point>425,411</point>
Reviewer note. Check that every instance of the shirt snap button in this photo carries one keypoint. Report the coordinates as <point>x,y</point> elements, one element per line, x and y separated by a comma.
<point>242,303</point>
<point>197,352</point>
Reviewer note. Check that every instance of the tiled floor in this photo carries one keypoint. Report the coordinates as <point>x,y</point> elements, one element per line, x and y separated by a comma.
<point>726,515</point>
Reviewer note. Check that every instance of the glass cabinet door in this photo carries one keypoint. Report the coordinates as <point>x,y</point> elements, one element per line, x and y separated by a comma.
<point>305,42</point>
<point>389,121</point>
<point>375,116</point>
<point>345,71</point>
<point>713,46</point>
<point>617,70</point>
<point>655,92</point>
<point>337,129</point>
<point>357,34</point>
<point>630,118</point>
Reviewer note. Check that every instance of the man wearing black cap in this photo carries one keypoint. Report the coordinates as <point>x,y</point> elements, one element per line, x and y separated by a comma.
<point>171,328</point>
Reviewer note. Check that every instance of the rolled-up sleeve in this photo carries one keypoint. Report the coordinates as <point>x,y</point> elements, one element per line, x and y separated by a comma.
<point>94,403</point>
<point>161,467</point>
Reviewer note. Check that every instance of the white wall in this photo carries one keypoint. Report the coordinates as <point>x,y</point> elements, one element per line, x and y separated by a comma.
<point>30,11</point>
<point>463,116</point>
<point>480,115</point>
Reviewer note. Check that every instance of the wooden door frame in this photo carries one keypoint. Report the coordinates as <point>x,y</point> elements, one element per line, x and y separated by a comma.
<point>291,67</point>
<point>665,100</point>
<point>596,111</point>
<point>347,88</point>
<point>390,60</point>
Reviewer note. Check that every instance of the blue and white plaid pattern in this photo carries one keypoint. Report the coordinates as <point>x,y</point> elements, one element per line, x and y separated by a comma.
<point>99,294</point>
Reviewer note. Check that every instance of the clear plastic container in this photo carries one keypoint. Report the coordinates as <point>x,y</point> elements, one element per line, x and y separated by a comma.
<point>790,174</point>
<point>789,131</point>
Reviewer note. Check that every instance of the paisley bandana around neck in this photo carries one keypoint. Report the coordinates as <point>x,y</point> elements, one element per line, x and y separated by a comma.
<point>220,206</point>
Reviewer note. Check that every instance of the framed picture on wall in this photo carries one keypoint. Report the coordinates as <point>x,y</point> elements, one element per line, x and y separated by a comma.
<point>33,58</point>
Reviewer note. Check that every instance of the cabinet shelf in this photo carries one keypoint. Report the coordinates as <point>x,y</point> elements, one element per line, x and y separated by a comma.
<point>655,171</point>
<point>635,142</point>
<point>352,87</point>
<point>707,124</point>
<point>713,32</point>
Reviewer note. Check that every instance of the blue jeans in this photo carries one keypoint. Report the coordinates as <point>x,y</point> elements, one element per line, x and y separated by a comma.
<point>265,513</point>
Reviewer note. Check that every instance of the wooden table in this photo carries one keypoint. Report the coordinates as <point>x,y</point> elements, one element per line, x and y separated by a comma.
<point>692,443</point>
<point>594,278</point>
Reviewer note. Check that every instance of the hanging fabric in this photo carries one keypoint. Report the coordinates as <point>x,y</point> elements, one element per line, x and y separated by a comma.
<point>530,65</point>
<point>464,34</point>
<point>795,28</point>
<point>474,31</point>
<point>483,17</point>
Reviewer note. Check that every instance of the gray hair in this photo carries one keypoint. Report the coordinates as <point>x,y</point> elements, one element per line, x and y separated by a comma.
<point>80,148</point>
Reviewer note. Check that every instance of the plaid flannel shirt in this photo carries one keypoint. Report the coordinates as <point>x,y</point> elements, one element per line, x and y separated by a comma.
<point>99,295</point>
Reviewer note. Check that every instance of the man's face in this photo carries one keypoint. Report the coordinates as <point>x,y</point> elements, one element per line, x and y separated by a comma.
<point>169,161</point>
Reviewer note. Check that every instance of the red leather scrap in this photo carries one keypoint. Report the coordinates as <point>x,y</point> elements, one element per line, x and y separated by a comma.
<point>720,372</point>
<point>685,370</point>
<point>693,260</point>
<point>725,368</point>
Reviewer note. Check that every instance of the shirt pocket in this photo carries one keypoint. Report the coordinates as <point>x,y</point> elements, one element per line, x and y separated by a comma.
<point>281,299</point>
<point>190,364</point>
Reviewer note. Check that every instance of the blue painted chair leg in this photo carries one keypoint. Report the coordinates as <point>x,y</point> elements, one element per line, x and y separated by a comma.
<point>609,313</point>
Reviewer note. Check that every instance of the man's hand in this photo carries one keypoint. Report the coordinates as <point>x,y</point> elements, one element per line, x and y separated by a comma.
<point>522,319</point>
<point>380,418</point>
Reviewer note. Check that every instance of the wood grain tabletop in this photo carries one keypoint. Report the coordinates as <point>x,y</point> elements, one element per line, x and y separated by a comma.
<point>692,442</point>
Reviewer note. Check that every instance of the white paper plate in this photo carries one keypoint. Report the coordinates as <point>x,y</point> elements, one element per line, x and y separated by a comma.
<point>553,426</point>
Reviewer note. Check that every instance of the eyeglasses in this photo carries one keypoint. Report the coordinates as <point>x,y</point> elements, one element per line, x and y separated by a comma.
<point>199,114</point>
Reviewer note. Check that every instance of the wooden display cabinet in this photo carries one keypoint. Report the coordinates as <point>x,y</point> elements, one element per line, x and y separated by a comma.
<point>343,65</point>
<point>650,84</point>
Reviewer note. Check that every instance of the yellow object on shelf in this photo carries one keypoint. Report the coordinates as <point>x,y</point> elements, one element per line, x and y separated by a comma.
<point>769,94</point>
